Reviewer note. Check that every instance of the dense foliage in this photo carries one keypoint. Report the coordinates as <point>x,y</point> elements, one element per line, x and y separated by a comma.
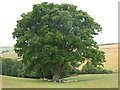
<point>11,67</point>
<point>53,39</point>
<point>91,69</point>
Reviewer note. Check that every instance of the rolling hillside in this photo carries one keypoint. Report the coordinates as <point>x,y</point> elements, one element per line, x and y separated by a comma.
<point>10,48</point>
<point>111,55</point>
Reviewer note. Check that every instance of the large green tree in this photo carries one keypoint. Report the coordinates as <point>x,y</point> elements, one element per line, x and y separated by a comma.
<point>55,38</point>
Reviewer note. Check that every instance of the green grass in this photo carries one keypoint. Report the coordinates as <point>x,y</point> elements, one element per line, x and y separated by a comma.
<point>83,81</point>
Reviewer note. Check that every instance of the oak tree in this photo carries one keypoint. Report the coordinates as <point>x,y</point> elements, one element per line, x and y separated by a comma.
<point>56,38</point>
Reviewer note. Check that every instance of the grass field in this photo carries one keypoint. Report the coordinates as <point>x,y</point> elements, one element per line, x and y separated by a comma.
<point>83,81</point>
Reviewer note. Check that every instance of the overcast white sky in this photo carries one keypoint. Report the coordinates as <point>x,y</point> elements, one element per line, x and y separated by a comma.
<point>105,12</point>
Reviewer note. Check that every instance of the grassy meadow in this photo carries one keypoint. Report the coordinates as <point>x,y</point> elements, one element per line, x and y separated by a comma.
<point>82,81</point>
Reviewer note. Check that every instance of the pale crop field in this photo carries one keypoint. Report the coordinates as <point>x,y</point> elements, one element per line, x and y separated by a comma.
<point>11,54</point>
<point>111,55</point>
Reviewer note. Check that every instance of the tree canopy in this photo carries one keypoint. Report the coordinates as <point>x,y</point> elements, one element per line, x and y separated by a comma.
<point>56,38</point>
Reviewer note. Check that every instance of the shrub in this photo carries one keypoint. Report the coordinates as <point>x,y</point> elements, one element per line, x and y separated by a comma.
<point>16,68</point>
<point>91,69</point>
<point>11,67</point>
<point>7,65</point>
<point>75,71</point>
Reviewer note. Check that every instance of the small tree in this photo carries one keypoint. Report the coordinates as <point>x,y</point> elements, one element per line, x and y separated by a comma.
<point>53,38</point>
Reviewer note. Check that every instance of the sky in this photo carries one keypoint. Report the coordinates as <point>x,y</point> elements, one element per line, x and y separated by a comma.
<point>104,12</point>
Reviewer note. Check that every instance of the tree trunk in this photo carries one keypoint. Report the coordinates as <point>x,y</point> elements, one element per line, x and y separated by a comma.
<point>56,77</point>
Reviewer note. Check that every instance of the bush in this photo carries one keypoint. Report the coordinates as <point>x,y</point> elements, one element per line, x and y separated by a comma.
<point>91,69</point>
<point>75,71</point>
<point>11,67</point>
<point>31,74</point>
<point>7,65</point>
<point>17,68</point>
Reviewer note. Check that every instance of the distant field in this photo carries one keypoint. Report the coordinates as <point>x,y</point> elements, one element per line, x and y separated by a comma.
<point>83,81</point>
<point>111,55</point>
<point>11,54</point>
<point>10,48</point>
